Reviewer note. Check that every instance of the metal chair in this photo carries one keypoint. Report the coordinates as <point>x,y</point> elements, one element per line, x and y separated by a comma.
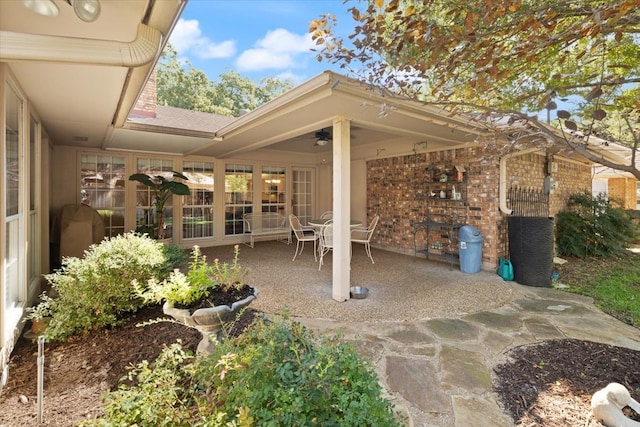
<point>303,234</point>
<point>326,240</point>
<point>363,235</point>
<point>326,215</point>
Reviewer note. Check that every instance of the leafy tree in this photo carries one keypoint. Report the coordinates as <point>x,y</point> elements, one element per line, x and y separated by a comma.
<point>182,86</point>
<point>505,58</point>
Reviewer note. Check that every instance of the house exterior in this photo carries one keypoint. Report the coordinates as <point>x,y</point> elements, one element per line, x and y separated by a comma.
<point>622,188</point>
<point>76,124</point>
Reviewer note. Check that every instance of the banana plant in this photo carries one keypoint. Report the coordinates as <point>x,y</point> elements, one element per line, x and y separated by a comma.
<point>162,188</point>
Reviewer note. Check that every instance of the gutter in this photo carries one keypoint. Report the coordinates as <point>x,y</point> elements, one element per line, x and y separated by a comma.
<point>503,178</point>
<point>36,47</point>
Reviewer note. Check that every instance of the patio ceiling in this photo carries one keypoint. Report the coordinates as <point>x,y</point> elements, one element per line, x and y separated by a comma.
<point>79,97</point>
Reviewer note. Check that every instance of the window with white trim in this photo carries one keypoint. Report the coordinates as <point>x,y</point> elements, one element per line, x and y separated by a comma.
<point>197,212</point>
<point>102,187</point>
<point>238,187</point>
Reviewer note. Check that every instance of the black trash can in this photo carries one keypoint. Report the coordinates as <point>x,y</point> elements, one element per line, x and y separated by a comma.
<point>531,249</point>
<point>470,249</point>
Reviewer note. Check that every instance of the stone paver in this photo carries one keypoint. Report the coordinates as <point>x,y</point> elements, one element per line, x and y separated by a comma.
<point>438,371</point>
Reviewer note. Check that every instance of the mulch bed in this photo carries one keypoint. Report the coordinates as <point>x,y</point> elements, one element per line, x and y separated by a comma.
<point>551,383</point>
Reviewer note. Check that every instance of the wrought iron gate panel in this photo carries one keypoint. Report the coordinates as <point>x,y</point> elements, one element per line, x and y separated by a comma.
<point>528,202</point>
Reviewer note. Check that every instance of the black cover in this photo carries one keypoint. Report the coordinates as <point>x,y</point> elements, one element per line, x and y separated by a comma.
<point>531,249</point>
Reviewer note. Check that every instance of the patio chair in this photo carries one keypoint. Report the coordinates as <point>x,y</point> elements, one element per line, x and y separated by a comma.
<point>363,235</point>
<point>303,234</point>
<point>326,241</point>
<point>326,215</point>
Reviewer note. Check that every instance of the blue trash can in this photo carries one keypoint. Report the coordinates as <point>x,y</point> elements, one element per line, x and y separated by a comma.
<point>470,249</point>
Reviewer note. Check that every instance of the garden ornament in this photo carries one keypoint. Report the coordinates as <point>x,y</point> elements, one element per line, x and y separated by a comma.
<point>607,404</point>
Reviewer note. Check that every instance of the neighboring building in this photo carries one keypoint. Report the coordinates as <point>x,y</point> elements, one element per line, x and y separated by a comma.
<point>622,188</point>
<point>72,133</point>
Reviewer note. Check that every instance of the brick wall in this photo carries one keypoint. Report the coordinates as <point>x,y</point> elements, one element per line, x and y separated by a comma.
<point>622,192</point>
<point>571,178</point>
<point>146,104</point>
<point>398,190</point>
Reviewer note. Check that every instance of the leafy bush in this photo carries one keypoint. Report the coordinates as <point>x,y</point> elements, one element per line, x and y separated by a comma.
<point>592,227</point>
<point>96,290</point>
<point>156,396</point>
<point>181,290</point>
<point>274,374</point>
<point>175,257</point>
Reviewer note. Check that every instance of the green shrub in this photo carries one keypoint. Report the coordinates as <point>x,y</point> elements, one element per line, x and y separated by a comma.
<point>175,257</point>
<point>592,227</point>
<point>157,396</point>
<point>96,290</point>
<point>274,374</point>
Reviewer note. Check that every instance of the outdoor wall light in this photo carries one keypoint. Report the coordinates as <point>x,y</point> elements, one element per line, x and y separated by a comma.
<point>86,10</point>
<point>42,7</point>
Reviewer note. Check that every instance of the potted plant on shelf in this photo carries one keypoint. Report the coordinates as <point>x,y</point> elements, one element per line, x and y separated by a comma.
<point>205,298</point>
<point>162,189</point>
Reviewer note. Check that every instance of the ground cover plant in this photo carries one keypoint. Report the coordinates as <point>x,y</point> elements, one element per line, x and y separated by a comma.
<point>613,283</point>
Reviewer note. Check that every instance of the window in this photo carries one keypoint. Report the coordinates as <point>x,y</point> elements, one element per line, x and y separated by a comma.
<point>102,188</point>
<point>197,213</point>
<point>238,187</point>
<point>145,214</point>
<point>14,236</point>
<point>33,234</point>
<point>273,189</point>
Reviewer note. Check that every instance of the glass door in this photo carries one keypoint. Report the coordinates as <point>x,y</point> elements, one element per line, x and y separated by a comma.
<point>302,198</point>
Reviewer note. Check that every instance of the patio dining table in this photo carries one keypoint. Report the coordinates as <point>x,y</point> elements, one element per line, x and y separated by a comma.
<point>321,222</point>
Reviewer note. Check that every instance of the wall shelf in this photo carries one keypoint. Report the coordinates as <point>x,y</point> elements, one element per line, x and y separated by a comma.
<point>445,211</point>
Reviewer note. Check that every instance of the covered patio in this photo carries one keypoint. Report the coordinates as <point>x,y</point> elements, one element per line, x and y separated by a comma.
<point>401,287</point>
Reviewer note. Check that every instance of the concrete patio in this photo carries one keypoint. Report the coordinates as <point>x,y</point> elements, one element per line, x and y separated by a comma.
<point>433,334</point>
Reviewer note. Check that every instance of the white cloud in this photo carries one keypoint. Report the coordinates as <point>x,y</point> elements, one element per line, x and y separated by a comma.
<point>279,49</point>
<point>187,38</point>
<point>295,78</point>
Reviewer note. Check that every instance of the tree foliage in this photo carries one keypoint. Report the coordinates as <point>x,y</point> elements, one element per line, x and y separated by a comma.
<point>504,57</point>
<point>182,86</point>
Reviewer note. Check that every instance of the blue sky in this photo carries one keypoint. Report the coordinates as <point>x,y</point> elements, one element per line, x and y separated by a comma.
<point>256,38</point>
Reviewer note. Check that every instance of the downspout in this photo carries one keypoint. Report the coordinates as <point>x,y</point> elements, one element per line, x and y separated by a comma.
<point>503,178</point>
<point>36,47</point>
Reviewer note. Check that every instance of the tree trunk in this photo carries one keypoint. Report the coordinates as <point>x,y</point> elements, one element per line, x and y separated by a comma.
<point>160,223</point>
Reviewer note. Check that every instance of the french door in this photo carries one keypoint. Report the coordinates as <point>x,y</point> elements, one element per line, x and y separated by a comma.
<point>302,200</point>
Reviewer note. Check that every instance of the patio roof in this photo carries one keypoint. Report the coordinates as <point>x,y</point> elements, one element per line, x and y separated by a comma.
<point>289,123</point>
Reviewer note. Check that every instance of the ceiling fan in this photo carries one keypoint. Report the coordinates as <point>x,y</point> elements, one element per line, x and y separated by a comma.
<point>322,138</point>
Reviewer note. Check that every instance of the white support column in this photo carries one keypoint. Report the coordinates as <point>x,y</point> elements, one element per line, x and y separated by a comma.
<point>341,208</point>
